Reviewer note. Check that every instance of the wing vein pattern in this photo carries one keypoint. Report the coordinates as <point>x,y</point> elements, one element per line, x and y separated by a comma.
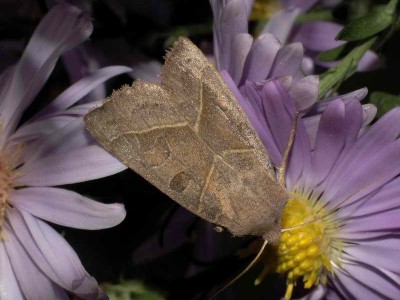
<point>190,138</point>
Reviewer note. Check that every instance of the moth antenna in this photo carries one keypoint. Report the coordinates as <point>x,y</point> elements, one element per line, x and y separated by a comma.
<point>249,266</point>
<point>282,168</point>
<point>336,207</point>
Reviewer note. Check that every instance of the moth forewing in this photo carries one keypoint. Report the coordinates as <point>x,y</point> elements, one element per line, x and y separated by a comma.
<point>203,98</point>
<point>190,138</point>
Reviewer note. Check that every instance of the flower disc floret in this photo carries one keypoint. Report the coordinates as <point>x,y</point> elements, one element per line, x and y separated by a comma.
<point>309,250</point>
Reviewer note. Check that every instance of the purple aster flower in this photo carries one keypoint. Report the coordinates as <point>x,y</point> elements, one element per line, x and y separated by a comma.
<point>244,61</point>
<point>347,183</point>
<point>50,149</point>
<point>247,65</point>
<point>231,35</point>
<point>246,58</point>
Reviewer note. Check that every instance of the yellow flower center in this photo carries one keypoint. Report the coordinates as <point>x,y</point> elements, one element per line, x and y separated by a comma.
<point>306,252</point>
<point>9,159</point>
<point>264,9</point>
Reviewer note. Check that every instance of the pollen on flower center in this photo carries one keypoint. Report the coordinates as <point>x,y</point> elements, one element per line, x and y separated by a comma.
<point>7,179</point>
<point>307,252</point>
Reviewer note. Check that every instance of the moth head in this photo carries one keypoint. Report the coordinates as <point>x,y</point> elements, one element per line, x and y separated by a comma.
<point>272,229</point>
<point>265,223</point>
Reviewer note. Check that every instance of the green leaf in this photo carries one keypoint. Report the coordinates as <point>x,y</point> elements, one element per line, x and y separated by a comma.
<point>374,22</point>
<point>384,102</point>
<point>332,54</point>
<point>331,79</point>
<point>131,290</point>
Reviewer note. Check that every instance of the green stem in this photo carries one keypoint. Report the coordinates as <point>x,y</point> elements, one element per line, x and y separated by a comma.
<point>346,68</point>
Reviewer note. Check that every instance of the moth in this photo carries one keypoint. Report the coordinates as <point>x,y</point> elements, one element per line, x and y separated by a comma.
<point>189,137</point>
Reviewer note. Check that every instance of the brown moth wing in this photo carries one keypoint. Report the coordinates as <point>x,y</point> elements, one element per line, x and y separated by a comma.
<point>201,95</point>
<point>212,166</point>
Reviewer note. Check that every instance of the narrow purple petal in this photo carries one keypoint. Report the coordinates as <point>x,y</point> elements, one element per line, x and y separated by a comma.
<point>311,125</point>
<point>68,208</point>
<point>371,151</point>
<point>317,35</point>
<point>382,253</point>
<point>386,199</point>
<point>369,113</point>
<point>281,23</point>
<point>9,286</point>
<point>81,88</point>
<point>332,295</point>
<point>63,28</point>
<point>233,21</point>
<point>366,175</point>
<point>70,137</point>
<point>330,140</point>
<point>279,111</point>
<point>60,293</point>
<point>354,121</point>
<point>340,287</point>
<point>261,57</point>
<point>320,106</point>
<point>77,165</point>
<point>53,255</point>
<point>385,221</point>
<point>77,110</point>
<point>366,282</point>
<point>317,293</point>
<point>5,81</point>
<point>34,284</point>
<point>40,128</point>
<point>305,92</point>
<point>369,62</point>
<point>255,116</point>
<point>288,61</point>
<point>307,65</point>
<point>240,48</point>
<point>304,5</point>
<point>276,114</point>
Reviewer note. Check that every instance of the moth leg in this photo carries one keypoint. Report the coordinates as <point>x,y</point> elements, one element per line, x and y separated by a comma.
<point>282,168</point>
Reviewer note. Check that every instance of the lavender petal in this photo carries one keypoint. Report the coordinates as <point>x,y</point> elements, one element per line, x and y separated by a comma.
<point>81,88</point>
<point>317,35</point>
<point>240,48</point>
<point>288,61</point>
<point>46,247</point>
<point>78,165</point>
<point>233,21</point>
<point>9,287</point>
<point>330,140</point>
<point>34,284</point>
<point>260,59</point>
<point>68,208</point>
<point>281,23</point>
<point>305,92</point>
<point>29,77</point>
